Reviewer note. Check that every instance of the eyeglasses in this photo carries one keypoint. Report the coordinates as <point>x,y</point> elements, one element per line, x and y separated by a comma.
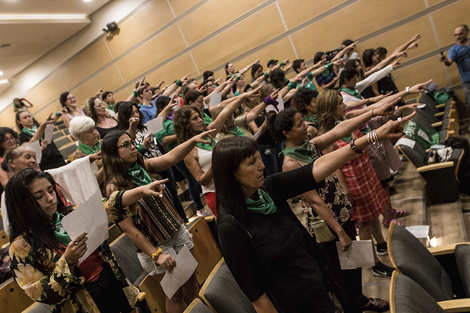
<point>127,145</point>
<point>5,139</point>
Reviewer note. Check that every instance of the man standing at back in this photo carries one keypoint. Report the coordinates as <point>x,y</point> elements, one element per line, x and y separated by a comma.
<point>460,54</point>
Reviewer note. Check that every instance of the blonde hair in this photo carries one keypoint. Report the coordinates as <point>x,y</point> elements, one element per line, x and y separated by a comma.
<point>327,104</point>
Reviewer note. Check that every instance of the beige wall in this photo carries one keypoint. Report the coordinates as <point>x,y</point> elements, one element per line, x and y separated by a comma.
<point>165,40</point>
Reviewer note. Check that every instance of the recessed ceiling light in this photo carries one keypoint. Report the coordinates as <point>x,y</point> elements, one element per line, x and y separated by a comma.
<point>1,73</point>
<point>86,0</point>
<point>4,81</point>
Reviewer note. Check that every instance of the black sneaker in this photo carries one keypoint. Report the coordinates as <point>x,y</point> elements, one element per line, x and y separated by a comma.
<point>382,270</point>
<point>382,248</point>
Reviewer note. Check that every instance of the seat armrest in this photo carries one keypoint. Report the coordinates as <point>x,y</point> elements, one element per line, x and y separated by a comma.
<point>435,166</point>
<point>456,305</point>
<point>439,114</point>
<point>439,106</point>
<point>445,249</point>
<point>436,124</point>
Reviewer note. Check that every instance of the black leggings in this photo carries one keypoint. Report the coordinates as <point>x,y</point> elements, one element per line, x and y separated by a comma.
<point>107,292</point>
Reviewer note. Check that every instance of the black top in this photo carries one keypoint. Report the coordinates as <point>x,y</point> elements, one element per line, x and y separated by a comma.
<point>104,131</point>
<point>280,258</point>
<point>266,138</point>
<point>51,156</point>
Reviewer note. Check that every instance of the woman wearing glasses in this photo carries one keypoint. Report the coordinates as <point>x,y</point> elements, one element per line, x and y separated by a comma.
<point>152,224</point>
<point>8,139</point>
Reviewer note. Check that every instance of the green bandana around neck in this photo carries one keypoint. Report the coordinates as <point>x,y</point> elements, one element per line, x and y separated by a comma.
<point>207,146</point>
<point>206,119</point>
<point>30,131</point>
<point>263,205</point>
<point>59,231</point>
<point>310,118</point>
<point>304,153</point>
<point>236,131</point>
<point>110,107</point>
<point>89,149</point>
<point>353,92</point>
<point>139,175</point>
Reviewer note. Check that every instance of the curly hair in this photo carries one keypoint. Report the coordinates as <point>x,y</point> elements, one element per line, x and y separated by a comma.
<point>302,98</point>
<point>3,132</point>
<point>181,123</point>
<point>327,104</point>
<point>283,121</point>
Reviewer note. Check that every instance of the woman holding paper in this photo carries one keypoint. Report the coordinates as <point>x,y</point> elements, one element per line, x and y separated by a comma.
<point>152,224</point>
<point>44,258</point>
<point>103,122</point>
<point>51,157</point>
<point>272,257</point>
<point>131,119</point>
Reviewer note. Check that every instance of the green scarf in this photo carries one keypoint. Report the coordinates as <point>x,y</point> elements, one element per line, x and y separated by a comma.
<point>353,92</point>
<point>206,119</point>
<point>110,107</point>
<point>206,146</point>
<point>263,205</point>
<point>30,131</point>
<point>304,153</point>
<point>236,131</point>
<point>59,231</point>
<point>139,175</point>
<point>310,118</point>
<point>89,149</point>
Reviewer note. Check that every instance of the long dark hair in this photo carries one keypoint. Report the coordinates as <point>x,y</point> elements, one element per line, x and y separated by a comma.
<point>115,169</point>
<point>283,121</point>
<point>367,57</point>
<point>181,123</point>
<point>124,114</point>
<point>3,132</point>
<point>27,219</point>
<point>226,158</point>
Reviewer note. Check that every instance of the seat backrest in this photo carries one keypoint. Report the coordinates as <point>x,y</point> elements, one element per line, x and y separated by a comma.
<point>13,297</point>
<point>221,292</point>
<point>38,307</point>
<point>415,154</point>
<point>406,296</point>
<point>414,260</point>
<point>205,251</point>
<point>124,251</point>
<point>462,257</point>
<point>197,307</point>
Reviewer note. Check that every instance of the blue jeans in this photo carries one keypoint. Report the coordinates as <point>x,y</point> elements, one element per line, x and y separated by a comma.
<point>193,186</point>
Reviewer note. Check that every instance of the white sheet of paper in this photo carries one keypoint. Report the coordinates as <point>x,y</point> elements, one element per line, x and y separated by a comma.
<point>280,106</point>
<point>185,266</point>
<point>421,106</point>
<point>36,147</point>
<point>360,254</point>
<point>256,135</point>
<point>48,133</point>
<point>419,231</point>
<point>215,99</point>
<point>406,142</point>
<point>89,217</point>
<point>155,125</point>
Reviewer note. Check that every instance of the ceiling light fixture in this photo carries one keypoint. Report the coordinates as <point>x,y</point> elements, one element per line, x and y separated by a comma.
<point>4,81</point>
<point>1,73</point>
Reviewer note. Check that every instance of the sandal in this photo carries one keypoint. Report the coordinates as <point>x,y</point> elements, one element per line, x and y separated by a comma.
<point>376,305</point>
<point>386,222</point>
<point>400,213</point>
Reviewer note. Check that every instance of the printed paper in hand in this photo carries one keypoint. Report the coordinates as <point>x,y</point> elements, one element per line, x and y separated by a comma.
<point>360,254</point>
<point>155,125</point>
<point>89,217</point>
<point>48,133</point>
<point>185,266</point>
<point>215,99</point>
<point>36,147</point>
<point>405,142</point>
<point>419,231</point>
<point>280,106</point>
<point>256,135</point>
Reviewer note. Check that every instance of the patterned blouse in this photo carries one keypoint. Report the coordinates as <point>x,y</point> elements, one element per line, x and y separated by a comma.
<point>61,286</point>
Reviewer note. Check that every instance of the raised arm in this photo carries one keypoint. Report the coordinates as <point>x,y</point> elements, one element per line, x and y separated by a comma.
<point>257,110</point>
<point>42,128</point>
<point>173,87</point>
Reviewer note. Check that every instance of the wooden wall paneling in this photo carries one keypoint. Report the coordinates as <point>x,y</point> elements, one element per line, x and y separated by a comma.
<point>357,20</point>
<point>45,92</point>
<point>122,94</point>
<point>152,53</point>
<point>180,6</point>
<point>109,78</point>
<point>434,2</point>
<point>219,73</point>
<point>44,113</point>
<point>447,18</point>
<point>420,72</point>
<point>454,74</point>
<point>213,15</point>
<point>398,36</point>
<point>7,117</point>
<point>153,16</point>
<point>296,12</point>
<point>83,64</point>
<point>173,70</point>
<point>238,39</point>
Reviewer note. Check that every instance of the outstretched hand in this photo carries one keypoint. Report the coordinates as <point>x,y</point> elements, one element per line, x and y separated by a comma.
<point>155,188</point>
<point>418,88</point>
<point>201,138</point>
<point>392,130</point>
